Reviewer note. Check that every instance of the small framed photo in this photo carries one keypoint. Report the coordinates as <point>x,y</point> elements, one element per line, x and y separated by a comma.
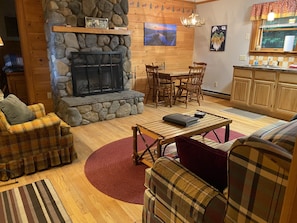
<point>93,22</point>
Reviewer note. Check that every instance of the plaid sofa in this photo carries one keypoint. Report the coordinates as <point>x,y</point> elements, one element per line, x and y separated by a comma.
<point>258,169</point>
<point>35,145</point>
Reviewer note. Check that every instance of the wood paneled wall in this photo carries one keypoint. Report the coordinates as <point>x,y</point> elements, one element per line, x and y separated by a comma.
<point>177,57</point>
<point>34,51</point>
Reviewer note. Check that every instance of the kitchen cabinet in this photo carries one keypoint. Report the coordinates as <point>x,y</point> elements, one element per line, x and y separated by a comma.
<point>286,93</point>
<point>270,92</point>
<point>241,86</point>
<point>263,90</point>
<point>17,85</point>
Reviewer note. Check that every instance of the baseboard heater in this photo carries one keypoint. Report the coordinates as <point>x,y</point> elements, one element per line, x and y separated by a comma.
<point>216,94</point>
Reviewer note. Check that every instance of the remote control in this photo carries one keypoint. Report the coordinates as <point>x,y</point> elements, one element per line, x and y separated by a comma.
<point>199,114</point>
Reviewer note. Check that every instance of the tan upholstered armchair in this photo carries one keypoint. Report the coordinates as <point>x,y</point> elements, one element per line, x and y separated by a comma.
<point>35,145</point>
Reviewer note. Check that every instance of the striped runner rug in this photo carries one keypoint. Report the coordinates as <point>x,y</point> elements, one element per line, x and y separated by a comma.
<point>35,202</point>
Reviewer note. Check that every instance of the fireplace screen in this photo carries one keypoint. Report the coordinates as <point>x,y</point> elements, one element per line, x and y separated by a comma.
<point>96,73</point>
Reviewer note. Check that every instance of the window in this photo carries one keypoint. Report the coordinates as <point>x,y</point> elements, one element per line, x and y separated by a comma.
<point>271,34</point>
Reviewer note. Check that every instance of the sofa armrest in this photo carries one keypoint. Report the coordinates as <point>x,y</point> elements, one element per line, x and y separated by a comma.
<point>38,109</point>
<point>49,121</point>
<point>65,128</point>
<point>4,124</point>
<point>185,196</point>
<point>258,196</point>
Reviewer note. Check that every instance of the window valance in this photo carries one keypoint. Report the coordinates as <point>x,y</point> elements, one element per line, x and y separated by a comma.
<point>283,8</point>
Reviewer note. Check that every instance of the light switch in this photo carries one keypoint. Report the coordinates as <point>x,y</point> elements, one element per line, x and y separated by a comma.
<point>242,57</point>
<point>247,36</point>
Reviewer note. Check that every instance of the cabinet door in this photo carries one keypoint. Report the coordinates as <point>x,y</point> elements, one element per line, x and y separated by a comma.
<point>286,101</point>
<point>263,94</point>
<point>241,90</point>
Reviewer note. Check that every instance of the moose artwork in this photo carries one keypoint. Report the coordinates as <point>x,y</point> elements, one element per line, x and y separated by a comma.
<point>218,38</point>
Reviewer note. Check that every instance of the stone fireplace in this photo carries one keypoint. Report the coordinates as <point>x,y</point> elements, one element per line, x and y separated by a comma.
<point>90,100</point>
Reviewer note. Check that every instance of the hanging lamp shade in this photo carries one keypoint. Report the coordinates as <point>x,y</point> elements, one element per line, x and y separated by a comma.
<point>193,20</point>
<point>270,16</point>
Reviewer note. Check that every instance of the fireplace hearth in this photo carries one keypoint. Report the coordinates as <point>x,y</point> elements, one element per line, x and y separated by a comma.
<point>96,73</point>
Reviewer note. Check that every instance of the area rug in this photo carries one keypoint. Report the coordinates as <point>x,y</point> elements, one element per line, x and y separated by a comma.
<point>36,202</point>
<point>243,113</point>
<point>110,169</point>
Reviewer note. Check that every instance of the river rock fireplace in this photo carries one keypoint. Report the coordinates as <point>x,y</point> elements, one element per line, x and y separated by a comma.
<point>104,94</point>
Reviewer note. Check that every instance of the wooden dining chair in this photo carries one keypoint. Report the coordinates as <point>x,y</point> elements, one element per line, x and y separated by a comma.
<point>201,64</point>
<point>161,88</point>
<point>149,82</point>
<point>192,86</point>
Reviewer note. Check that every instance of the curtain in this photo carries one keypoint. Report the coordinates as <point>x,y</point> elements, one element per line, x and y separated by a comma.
<point>281,8</point>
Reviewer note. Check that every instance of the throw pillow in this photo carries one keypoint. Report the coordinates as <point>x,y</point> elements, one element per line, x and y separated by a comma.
<point>206,162</point>
<point>15,110</point>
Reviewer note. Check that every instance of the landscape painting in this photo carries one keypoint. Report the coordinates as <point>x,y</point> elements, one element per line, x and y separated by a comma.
<point>159,34</point>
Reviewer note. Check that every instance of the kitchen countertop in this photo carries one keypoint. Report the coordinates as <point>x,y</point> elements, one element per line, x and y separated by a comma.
<point>267,67</point>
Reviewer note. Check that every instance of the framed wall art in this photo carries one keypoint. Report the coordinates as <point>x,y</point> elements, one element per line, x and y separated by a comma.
<point>159,34</point>
<point>218,38</point>
<point>92,22</point>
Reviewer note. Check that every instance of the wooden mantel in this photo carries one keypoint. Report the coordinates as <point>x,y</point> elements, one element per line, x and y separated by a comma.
<point>66,29</point>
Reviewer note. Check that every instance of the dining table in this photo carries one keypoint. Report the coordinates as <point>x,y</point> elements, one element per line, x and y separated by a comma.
<point>172,76</point>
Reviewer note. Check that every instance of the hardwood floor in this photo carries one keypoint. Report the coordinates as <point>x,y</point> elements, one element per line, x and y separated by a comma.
<point>86,204</point>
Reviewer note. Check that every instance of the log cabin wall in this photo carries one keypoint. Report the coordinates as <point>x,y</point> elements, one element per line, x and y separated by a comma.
<point>34,47</point>
<point>177,57</point>
<point>34,51</point>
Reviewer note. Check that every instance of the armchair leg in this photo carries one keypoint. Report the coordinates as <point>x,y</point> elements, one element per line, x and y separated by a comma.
<point>11,175</point>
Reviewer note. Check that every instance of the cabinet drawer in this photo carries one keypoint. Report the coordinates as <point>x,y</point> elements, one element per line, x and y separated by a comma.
<point>288,78</point>
<point>243,73</point>
<point>265,75</point>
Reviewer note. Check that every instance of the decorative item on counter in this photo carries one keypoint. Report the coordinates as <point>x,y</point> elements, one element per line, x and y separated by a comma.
<point>256,62</point>
<point>258,47</point>
<point>289,43</point>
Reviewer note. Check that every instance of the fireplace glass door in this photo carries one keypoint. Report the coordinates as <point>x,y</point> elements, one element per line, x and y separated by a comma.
<point>96,73</point>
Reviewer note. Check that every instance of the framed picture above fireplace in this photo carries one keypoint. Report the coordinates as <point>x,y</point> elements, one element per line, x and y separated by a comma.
<point>93,22</point>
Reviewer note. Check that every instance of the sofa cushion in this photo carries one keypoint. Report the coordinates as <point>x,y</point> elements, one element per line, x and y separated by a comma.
<point>265,130</point>
<point>16,112</point>
<point>284,135</point>
<point>208,163</point>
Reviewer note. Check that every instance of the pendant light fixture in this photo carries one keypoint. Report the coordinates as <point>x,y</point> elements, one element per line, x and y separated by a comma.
<point>270,16</point>
<point>194,20</point>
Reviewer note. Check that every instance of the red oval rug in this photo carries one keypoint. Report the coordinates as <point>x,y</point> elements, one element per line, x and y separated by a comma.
<point>111,170</point>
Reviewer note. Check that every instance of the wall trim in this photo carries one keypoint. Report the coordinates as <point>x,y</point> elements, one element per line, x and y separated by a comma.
<point>216,94</point>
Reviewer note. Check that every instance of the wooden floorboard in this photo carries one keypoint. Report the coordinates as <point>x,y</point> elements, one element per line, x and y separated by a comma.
<point>86,204</point>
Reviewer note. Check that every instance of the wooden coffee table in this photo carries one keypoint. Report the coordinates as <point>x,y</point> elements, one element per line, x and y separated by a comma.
<point>163,134</point>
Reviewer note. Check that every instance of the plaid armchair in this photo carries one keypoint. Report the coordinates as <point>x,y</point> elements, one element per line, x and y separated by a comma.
<point>36,145</point>
<point>257,180</point>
